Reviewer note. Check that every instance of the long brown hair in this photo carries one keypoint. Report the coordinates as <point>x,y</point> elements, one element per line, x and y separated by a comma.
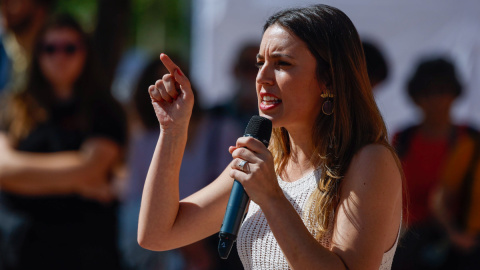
<point>32,105</point>
<point>356,121</point>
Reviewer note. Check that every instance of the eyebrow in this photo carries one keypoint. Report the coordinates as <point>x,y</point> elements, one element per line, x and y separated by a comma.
<point>275,55</point>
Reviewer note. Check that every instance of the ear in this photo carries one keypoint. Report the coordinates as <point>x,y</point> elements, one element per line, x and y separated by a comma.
<point>325,78</point>
<point>326,90</point>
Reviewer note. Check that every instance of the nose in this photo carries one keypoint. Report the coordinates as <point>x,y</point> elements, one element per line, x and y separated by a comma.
<point>265,75</point>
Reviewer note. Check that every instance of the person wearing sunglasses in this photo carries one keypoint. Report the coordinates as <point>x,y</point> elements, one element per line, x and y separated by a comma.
<point>61,138</point>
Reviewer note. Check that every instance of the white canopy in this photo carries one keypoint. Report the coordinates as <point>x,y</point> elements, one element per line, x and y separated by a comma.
<point>405,30</point>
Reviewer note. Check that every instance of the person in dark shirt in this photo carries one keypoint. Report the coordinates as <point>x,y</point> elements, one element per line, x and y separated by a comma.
<point>61,139</point>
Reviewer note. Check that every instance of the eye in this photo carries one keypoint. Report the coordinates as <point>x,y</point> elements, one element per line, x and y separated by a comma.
<point>283,63</point>
<point>259,64</point>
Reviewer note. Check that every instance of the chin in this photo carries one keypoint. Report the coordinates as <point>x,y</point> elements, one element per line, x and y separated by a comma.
<point>271,118</point>
<point>266,116</point>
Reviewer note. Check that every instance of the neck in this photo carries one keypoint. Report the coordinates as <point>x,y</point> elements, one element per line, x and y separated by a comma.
<point>301,152</point>
<point>63,92</point>
<point>436,130</point>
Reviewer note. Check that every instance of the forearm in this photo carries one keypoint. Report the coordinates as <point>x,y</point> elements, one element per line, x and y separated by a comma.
<point>85,171</point>
<point>160,198</point>
<point>40,174</point>
<point>298,245</point>
<point>440,203</point>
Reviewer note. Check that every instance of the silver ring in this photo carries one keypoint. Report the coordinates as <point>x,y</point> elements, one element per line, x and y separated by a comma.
<point>242,164</point>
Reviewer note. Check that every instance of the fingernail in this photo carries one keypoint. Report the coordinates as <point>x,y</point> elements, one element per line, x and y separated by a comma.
<point>179,72</point>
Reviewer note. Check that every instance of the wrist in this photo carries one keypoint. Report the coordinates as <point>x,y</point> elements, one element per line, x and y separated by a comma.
<point>74,185</point>
<point>174,132</point>
<point>77,183</point>
<point>175,127</point>
<point>273,203</point>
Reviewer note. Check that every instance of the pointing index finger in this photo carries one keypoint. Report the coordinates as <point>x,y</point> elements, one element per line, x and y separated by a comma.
<point>168,63</point>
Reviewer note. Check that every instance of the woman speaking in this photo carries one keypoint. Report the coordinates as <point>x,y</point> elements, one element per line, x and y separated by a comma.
<point>326,193</point>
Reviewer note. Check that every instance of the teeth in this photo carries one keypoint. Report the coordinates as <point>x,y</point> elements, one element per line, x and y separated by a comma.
<point>270,100</point>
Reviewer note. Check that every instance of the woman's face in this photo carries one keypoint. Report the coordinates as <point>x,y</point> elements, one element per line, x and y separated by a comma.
<point>62,58</point>
<point>288,90</point>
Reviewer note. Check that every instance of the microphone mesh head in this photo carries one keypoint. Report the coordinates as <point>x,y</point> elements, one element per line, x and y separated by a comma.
<point>260,128</point>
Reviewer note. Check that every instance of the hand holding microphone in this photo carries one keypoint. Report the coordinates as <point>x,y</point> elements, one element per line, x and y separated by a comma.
<point>259,128</point>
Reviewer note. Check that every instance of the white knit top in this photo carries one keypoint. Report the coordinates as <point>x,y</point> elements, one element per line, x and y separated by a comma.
<point>258,248</point>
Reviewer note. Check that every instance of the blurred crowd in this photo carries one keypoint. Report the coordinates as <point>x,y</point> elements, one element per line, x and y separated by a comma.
<point>73,156</point>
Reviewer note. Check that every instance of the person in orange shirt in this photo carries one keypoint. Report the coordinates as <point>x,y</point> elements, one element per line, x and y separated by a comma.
<point>426,150</point>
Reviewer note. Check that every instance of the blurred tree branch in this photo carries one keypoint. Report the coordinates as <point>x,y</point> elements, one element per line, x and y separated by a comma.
<point>153,25</point>
<point>111,33</point>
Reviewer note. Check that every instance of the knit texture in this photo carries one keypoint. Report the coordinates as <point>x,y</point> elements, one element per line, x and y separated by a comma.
<point>258,248</point>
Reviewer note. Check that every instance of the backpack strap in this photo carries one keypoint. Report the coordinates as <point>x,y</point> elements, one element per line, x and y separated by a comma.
<point>465,194</point>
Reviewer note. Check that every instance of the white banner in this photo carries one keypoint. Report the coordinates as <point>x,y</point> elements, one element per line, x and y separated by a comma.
<point>405,30</point>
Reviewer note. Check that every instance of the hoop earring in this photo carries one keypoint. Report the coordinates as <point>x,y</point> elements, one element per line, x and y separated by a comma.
<point>327,106</point>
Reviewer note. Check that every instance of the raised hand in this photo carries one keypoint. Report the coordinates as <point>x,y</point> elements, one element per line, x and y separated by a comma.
<point>172,97</point>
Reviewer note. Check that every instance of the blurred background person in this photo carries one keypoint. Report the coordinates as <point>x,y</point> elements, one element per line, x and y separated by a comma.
<point>21,21</point>
<point>424,150</point>
<point>243,105</point>
<point>206,133</point>
<point>456,202</point>
<point>377,66</point>
<point>62,137</point>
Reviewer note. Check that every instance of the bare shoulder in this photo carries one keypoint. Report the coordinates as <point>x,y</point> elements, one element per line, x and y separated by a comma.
<point>374,166</point>
<point>369,209</point>
<point>374,152</point>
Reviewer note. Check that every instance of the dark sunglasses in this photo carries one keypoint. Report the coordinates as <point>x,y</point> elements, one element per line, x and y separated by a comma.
<point>67,48</point>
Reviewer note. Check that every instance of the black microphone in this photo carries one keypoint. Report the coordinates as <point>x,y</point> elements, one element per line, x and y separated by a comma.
<point>259,128</point>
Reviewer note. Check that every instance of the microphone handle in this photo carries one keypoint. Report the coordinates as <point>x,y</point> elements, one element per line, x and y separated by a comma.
<point>259,128</point>
<point>236,209</point>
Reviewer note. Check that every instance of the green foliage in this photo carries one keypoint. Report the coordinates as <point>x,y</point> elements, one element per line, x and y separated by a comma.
<point>162,25</point>
<point>84,11</point>
<point>155,25</point>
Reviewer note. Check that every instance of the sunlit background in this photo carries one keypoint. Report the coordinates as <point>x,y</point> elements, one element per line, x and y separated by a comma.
<point>209,33</point>
<point>205,37</point>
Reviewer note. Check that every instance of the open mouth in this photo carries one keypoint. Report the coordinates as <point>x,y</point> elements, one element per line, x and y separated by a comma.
<point>270,100</point>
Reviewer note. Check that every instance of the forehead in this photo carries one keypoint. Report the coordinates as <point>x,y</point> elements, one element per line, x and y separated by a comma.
<point>278,39</point>
<point>63,33</point>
